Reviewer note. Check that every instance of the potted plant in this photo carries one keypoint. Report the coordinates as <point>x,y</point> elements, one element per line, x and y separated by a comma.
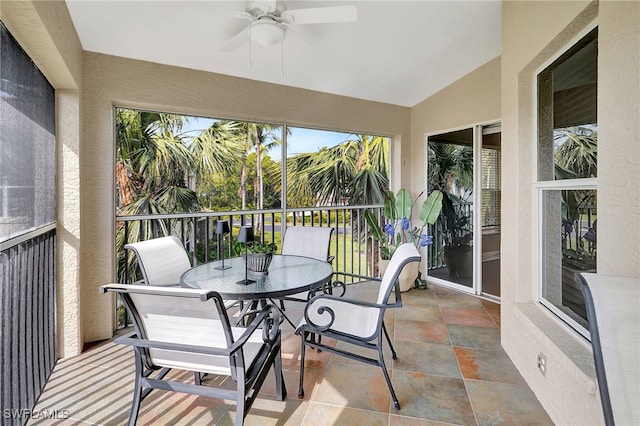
<point>457,237</point>
<point>258,257</point>
<point>399,228</point>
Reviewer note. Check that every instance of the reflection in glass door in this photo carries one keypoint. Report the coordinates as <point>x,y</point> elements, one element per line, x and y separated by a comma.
<point>450,170</point>
<point>490,210</point>
<point>465,166</point>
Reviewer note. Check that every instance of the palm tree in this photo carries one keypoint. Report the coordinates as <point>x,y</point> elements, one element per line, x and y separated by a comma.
<point>450,170</point>
<point>258,138</point>
<point>152,164</point>
<point>372,178</point>
<point>450,167</point>
<point>299,191</point>
<point>576,152</point>
<point>216,149</point>
<point>155,164</point>
<point>353,172</point>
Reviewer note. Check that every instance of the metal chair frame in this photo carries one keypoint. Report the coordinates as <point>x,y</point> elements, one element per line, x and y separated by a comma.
<point>320,317</point>
<point>244,354</point>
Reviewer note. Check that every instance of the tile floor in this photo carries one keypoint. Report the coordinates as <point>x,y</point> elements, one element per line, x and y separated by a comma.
<point>450,369</point>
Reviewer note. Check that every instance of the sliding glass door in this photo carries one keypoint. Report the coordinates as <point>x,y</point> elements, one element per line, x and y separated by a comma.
<point>465,165</point>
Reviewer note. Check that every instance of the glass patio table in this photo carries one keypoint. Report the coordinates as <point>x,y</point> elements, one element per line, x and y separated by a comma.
<point>287,275</point>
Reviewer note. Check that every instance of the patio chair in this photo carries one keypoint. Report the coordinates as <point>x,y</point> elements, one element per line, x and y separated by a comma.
<point>188,329</point>
<point>313,242</point>
<point>357,322</point>
<point>309,241</point>
<point>614,323</point>
<point>162,261</point>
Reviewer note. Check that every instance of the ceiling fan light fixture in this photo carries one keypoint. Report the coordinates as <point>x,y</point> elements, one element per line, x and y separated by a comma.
<point>266,32</point>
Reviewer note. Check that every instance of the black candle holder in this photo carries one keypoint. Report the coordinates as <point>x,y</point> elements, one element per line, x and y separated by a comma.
<point>222,228</point>
<point>245,236</point>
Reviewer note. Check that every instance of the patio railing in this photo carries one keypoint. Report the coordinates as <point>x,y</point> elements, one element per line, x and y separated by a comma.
<point>355,256</point>
<point>27,321</point>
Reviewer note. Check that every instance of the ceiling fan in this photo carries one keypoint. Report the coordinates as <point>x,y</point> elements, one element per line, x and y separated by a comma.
<point>270,20</point>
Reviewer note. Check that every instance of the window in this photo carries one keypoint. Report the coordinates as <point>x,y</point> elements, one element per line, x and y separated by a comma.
<point>27,143</point>
<point>567,172</point>
<point>178,174</point>
<point>326,168</point>
<point>490,187</point>
<point>167,163</point>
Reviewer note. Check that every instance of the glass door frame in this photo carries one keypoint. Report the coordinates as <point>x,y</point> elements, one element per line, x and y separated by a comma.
<point>477,129</point>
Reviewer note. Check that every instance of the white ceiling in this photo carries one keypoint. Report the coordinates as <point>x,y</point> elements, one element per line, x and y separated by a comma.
<point>397,52</point>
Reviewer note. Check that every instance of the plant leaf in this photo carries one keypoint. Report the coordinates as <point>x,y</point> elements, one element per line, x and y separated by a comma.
<point>403,203</point>
<point>431,208</point>
<point>390,211</point>
<point>376,231</point>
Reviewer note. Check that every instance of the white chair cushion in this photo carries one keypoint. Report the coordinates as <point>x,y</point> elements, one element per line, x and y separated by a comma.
<point>166,323</point>
<point>359,321</point>
<point>308,241</point>
<point>163,260</point>
<point>208,363</point>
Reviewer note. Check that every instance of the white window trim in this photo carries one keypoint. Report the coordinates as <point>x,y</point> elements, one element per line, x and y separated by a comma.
<point>541,186</point>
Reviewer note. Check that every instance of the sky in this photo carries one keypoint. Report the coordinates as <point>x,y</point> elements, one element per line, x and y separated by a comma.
<point>299,141</point>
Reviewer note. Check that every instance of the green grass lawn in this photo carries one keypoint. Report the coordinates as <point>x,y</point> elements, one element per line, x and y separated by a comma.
<point>343,247</point>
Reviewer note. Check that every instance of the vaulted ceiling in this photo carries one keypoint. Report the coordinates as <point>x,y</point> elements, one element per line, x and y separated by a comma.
<point>397,52</point>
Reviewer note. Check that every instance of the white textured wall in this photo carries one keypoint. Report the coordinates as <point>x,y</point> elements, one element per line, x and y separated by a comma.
<point>70,339</point>
<point>533,32</point>
<point>112,81</point>
<point>619,139</point>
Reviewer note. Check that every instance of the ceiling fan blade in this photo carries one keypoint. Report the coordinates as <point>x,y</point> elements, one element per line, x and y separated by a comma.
<point>236,41</point>
<point>271,4</point>
<point>320,15</point>
<point>300,38</point>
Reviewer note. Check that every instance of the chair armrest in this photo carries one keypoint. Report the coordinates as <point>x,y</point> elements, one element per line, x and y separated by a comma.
<point>324,304</point>
<point>330,286</point>
<point>357,302</point>
<point>269,318</point>
<point>132,340</point>
<point>201,294</point>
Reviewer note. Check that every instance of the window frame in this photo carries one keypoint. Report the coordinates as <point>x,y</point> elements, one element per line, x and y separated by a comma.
<point>284,126</point>
<point>541,186</point>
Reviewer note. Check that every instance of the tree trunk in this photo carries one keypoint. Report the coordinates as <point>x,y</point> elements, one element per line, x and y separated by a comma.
<point>125,186</point>
<point>259,197</point>
<point>242,191</point>
<point>374,249</point>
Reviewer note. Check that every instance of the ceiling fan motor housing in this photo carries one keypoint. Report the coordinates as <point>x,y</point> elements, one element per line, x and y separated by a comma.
<point>270,20</point>
<point>260,8</point>
<point>266,31</point>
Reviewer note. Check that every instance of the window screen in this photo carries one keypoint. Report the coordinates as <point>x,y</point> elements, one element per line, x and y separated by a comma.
<point>27,142</point>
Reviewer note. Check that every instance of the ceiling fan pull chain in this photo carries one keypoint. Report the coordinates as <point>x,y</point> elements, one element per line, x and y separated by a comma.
<point>282,58</point>
<point>250,43</point>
